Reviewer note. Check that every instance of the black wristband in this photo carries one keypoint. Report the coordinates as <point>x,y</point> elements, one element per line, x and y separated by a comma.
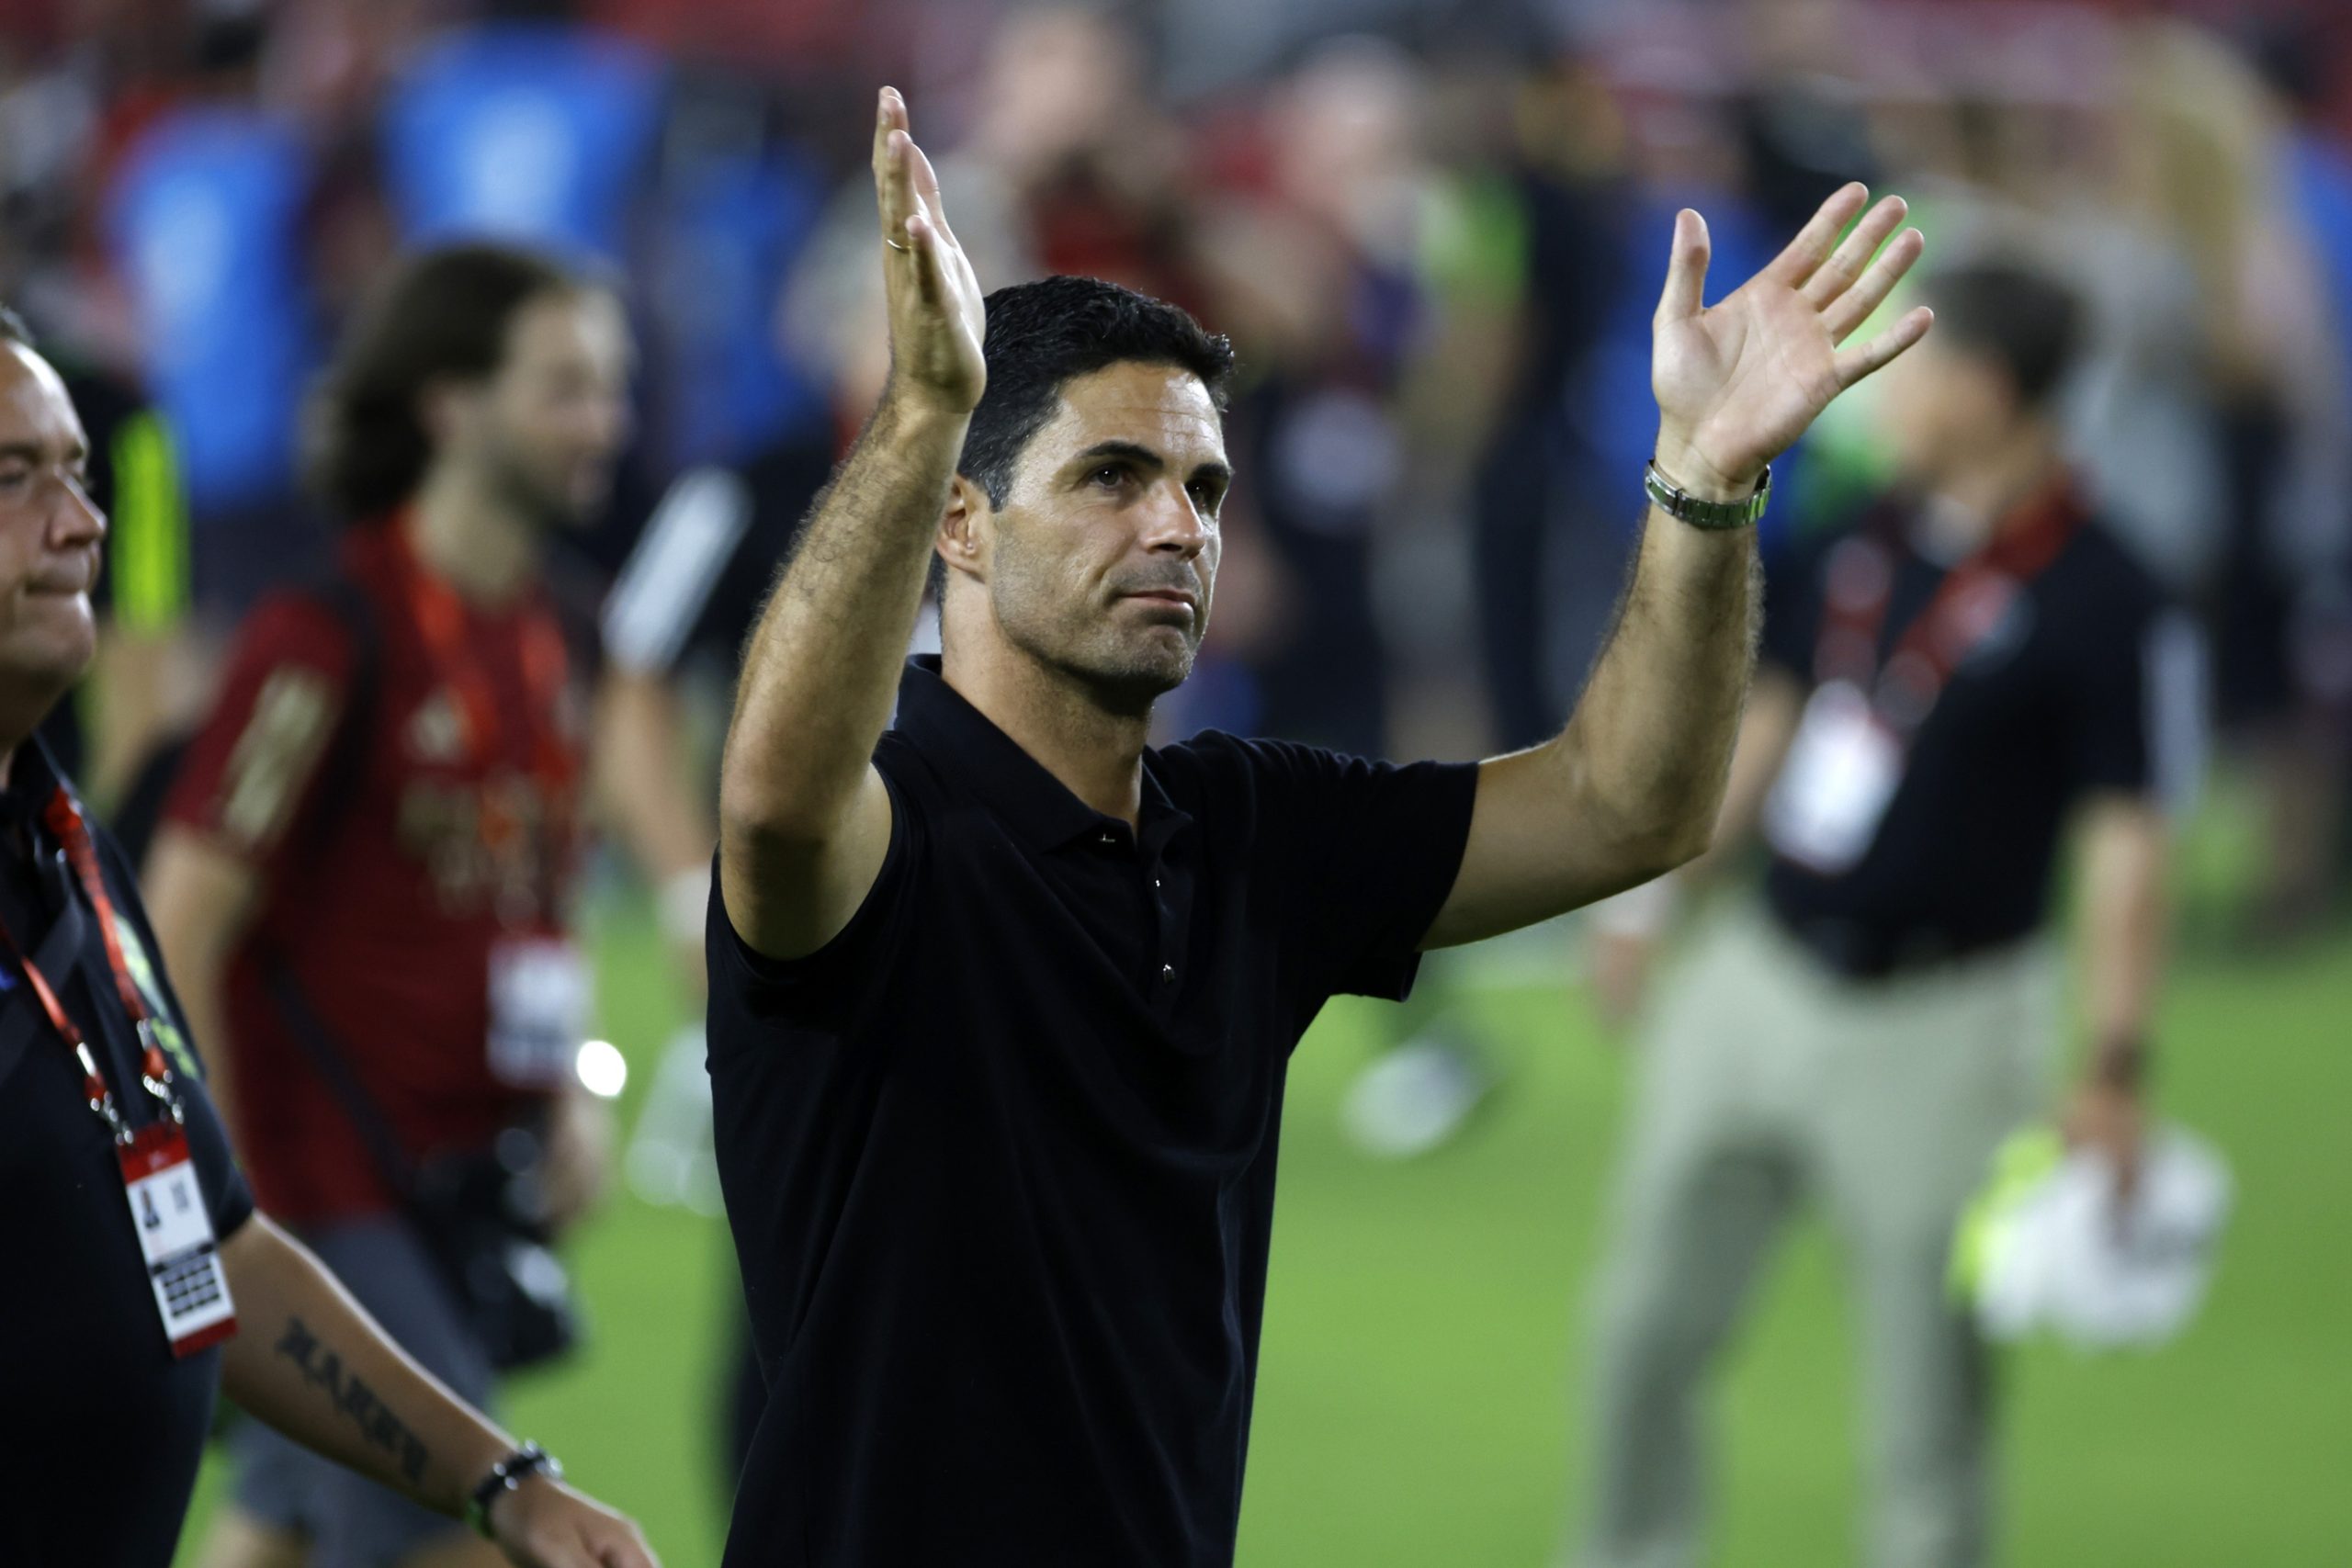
<point>2121,1063</point>
<point>505,1476</point>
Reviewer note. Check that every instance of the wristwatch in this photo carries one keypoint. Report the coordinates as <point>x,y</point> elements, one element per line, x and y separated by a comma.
<point>505,1476</point>
<point>1710,515</point>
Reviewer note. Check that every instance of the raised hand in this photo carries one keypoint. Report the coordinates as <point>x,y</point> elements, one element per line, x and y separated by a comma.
<point>936,319</point>
<point>1739,381</point>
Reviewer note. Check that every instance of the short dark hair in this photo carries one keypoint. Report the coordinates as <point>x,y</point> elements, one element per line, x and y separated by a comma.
<point>2021,317</point>
<point>13,328</point>
<point>1043,334</point>
<point>443,314</point>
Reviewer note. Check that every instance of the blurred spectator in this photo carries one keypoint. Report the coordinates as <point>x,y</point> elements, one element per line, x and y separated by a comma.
<point>526,127</point>
<point>2287,621</point>
<point>1977,666</point>
<point>206,227</point>
<point>363,883</point>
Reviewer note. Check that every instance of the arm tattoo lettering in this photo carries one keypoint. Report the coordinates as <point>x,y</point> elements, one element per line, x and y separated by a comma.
<point>322,1368</point>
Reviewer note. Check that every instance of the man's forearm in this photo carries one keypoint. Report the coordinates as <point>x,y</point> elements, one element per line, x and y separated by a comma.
<point>822,673</point>
<point>1650,743</point>
<point>645,780</point>
<point>199,987</point>
<point>2125,915</point>
<point>310,1362</point>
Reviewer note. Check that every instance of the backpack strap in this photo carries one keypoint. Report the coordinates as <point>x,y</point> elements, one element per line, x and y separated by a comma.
<point>347,760</point>
<point>336,786</point>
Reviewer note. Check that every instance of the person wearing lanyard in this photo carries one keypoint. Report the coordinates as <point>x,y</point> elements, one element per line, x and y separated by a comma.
<point>1002,999</point>
<point>363,874</point>
<point>140,1276</point>
<point>1944,690</point>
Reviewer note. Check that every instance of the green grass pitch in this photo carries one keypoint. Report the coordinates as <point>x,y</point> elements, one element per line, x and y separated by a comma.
<point>1421,1360</point>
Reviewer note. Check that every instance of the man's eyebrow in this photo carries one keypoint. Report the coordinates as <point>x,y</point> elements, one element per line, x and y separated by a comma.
<point>1133,452</point>
<point>33,452</point>
<point>1144,457</point>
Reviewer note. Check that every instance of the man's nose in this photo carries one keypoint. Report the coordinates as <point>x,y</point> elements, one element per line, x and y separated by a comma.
<point>74,518</point>
<point>612,425</point>
<point>1176,525</point>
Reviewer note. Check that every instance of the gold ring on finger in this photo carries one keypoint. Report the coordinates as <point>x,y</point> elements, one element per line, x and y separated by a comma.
<point>904,250</point>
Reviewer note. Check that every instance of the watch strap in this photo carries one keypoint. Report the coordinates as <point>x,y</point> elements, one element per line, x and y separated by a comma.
<point>505,1476</point>
<point>1709,514</point>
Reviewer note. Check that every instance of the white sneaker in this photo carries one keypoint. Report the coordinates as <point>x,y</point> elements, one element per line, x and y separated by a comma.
<point>1413,1099</point>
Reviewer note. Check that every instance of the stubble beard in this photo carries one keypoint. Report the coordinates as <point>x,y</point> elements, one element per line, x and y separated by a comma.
<point>1121,672</point>
<point>542,503</point>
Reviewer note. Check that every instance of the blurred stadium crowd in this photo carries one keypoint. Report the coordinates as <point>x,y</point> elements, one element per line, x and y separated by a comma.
<point>1430,229</point>
<point>1433,228</point>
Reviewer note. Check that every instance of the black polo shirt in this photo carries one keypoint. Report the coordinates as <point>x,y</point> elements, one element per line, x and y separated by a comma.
<point>102,1429</point>
<point>999,1159</point>
<point>2089,683</point>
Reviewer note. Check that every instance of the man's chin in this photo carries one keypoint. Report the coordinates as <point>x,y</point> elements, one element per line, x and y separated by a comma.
<point>1134,683</point>
<point>50,661</point>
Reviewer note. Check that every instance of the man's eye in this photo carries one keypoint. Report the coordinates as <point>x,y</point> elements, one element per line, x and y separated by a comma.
<point>1110,474</point>
<point>1205,497</point>
<point>14,476</point>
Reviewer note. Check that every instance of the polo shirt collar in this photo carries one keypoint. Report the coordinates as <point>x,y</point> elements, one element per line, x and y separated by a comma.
<point>1017,787</point>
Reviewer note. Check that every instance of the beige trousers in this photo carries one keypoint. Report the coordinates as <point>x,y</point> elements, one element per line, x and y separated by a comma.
<point>1767,1081</point>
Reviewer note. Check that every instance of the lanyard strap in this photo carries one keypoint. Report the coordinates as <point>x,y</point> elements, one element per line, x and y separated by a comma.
<point>440,616</point>
<point>1963,609</point>
<point>64,818</point>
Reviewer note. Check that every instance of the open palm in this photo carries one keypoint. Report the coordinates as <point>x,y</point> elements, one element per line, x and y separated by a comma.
<point>1737,382</point>
<point>937,323</point>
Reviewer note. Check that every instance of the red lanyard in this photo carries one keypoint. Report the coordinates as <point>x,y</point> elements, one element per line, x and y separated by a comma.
<point>64,818</point>
<point>1966,605</point>
<point>441,616</point>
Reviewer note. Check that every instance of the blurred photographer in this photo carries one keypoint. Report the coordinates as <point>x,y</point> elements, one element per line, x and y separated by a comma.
<point>1975,671</point>
<point>362,883</point>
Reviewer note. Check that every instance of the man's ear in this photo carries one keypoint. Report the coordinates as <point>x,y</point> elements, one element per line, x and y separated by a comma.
<point>965,528</point>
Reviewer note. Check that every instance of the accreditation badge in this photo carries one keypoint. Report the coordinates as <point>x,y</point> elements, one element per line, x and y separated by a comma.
<point>1834,789</point>
<point>175,1237</point>
<point>539,1012</point>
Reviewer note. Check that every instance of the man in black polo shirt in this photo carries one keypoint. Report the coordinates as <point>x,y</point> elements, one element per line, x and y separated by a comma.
<point>138,1277</point>
<point>1973,670</point>
<point>1001,1006</point>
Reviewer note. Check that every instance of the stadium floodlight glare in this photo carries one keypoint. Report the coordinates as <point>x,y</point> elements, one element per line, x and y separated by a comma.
<point>604,1071</point>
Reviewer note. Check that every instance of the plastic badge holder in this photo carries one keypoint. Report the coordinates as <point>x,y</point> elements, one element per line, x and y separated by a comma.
<point>2045,1251</point>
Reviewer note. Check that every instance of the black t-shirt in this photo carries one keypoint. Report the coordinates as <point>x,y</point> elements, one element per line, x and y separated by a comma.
<point>999,1159</point>
<point>103,1426</point>
<point>2088,683</point>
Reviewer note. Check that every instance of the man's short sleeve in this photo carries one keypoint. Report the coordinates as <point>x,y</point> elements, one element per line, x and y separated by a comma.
<point>1368,853</point>
<point>250,771</point>
<point>226,1193</point>
<point>1792,607</point>
<point>2136,719</point>
<point>828,989</point>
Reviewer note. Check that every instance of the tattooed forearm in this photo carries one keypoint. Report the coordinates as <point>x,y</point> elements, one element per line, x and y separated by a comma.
<point>323,1369</point>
